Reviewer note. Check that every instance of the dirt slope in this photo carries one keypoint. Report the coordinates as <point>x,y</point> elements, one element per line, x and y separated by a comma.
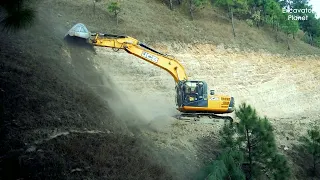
<point>54,123</point>
<point>285,89</point>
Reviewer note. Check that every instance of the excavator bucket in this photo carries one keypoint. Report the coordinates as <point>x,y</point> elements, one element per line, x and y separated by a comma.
<point>79,30</point>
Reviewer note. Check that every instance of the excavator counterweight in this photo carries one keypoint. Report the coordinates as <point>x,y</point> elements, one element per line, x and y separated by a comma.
<point>192,97</point>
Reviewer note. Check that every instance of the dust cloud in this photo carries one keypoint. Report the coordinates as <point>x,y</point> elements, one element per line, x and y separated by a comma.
<point>141,110</point>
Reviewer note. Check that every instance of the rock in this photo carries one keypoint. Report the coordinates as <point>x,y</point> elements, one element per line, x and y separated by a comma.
<point>31,149</point>
<point>76,170</point>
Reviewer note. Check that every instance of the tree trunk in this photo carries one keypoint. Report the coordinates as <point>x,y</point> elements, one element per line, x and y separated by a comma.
<point>116,16</point>
<point>277,32</point>
<point>273,23</point>
<point>94,7</point>
<point>117,19</point>
<point>288,41</point>
<point>191,9</point>
<point>170,4</point>
<point>231,12</point>
<point>310,39</point>
<point>1,106</point>
<point>314,169</point>
<point>249,153</point>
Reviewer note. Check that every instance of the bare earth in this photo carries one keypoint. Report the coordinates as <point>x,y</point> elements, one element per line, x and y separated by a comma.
<point>285,89</point>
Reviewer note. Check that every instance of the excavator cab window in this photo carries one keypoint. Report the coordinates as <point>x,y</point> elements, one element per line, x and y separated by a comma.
<point>191,92</point>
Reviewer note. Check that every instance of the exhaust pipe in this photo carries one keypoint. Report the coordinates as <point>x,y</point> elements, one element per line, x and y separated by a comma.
<point>79,30</point>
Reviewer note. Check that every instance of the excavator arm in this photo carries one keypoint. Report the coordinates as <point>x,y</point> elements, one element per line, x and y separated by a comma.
<point>192,97</point>
<point>142,51</point>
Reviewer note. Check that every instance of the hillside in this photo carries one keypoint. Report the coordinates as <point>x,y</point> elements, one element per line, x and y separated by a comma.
<point>152,21</point>
<point>84,113</point>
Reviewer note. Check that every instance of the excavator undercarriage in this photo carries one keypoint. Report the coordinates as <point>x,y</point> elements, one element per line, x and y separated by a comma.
<point>198,117</point>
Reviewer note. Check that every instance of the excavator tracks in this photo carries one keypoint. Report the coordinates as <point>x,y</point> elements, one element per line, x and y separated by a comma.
<point>203,118</point>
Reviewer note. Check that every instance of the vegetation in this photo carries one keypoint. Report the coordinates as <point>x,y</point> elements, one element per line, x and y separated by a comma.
<point>18,15</point>
<point>194,5</point>
<point>310,145</point>
<point>232,7</point>
<point>282,15</point>
<point>249,150</point>
<point>114,7</point>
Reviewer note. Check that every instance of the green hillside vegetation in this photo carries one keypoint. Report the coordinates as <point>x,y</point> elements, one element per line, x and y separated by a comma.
<point>282,15</point>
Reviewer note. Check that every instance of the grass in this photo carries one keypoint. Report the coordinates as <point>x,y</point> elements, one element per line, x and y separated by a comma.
<point>153,22</point>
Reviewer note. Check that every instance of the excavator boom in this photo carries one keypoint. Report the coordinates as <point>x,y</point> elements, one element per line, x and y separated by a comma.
<point>134,47</point>
<point>192,97</point>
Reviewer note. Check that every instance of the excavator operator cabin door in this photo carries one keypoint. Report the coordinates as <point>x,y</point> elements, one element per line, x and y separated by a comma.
<point>179,94</point>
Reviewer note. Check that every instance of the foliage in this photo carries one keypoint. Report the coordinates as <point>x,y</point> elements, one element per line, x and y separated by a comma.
<point>249,22</point>
<point>227,166</point>
<point>281,169</point>
<point>250,144</point>
<point>264,12</point>
<point>288,26</point>
<point>114,7</point>
<point>18,15</point>
<point>311,146</point>
<point>196,4</point>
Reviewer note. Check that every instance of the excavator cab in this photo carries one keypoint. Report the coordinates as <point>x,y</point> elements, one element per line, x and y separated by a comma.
<point>191,93</point>
<point>192,96</point>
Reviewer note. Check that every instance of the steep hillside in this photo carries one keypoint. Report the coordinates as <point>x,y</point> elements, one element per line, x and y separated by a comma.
<point>54,125</point>
<point>152,21</point>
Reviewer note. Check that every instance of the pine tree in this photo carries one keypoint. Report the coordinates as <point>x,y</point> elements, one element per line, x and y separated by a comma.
<point>227,166</point>
<point>194,5</point>
<point>114,7</point>
<point>289,27</point>
<point>233,160</point>
<point>233,6</point>
<point>227,134</point>
<point>311,146</point>
<point>279,167</point>
<point>258,144</point>
<point>249,150</point>
<point>18,15</point>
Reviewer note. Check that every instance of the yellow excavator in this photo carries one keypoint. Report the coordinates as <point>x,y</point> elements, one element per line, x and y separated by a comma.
<point>192,96</point>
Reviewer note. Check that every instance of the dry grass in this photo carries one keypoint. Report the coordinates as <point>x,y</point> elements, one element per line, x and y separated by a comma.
<point>153,22</point>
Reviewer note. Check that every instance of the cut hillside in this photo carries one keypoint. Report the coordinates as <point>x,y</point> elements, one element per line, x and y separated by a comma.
<point>285,89</point>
